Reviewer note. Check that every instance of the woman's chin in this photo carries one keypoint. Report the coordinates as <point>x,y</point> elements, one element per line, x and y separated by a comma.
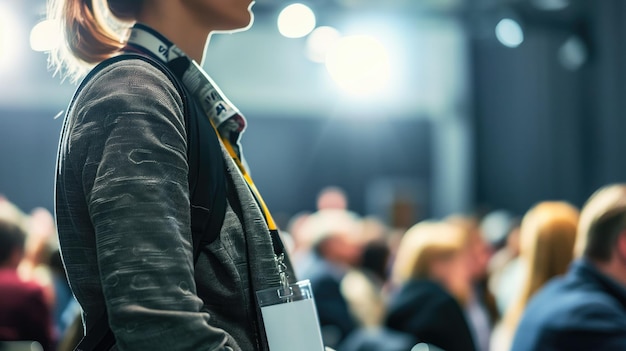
<point>239,24</point>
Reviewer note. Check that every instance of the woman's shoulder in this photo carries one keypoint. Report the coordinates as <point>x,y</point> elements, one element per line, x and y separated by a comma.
<point>124,86</point>
<point>129,78</point>
<point>422,294</point>
<point>426,288</point>
<point>128,67</point>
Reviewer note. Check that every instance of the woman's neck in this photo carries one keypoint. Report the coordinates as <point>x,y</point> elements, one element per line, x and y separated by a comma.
<point>172,21</point>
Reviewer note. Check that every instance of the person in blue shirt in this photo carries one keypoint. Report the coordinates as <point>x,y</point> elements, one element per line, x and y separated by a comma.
<point>585,309</point>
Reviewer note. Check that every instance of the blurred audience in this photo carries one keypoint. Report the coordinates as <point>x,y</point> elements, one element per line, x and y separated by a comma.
<point>336,248</point>
<point>547,235</point>
<point>25,314</point>
<point>381,339</point>
<point>364,286</point>
<point>505,268</point>
<point>332,198</point>
<point>479,307</point>
<point>40,244</point>
<point>379,286</point>
<point>41,268</point>
<point>12,214</point>
<point>585,309</point>
<point>296,241</point>
<point>66,308</point>
<point>433,273</point>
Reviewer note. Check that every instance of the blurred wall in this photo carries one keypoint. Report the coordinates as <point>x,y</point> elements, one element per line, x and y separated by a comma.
<point>28,148</point>
<point>304,133</point>
<point>543,131</point>
<point>291,159</point>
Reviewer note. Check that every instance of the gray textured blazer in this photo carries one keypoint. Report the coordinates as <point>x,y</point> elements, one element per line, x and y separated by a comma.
<point>122,210</point>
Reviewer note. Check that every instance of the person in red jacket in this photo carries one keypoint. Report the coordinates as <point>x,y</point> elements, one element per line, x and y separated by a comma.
<point>24,313</point>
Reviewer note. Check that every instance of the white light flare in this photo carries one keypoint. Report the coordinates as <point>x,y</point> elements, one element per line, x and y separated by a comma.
<point>296,21</point>
<point>359,64</point>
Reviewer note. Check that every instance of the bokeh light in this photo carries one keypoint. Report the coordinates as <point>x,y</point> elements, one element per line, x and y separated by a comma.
<point>45,36</point>
<point>296,21</point>
<point>509,33</point>
<point>359,64</point>
<point>573,53</point>
<point>319,43</point>
<point>8,47</point>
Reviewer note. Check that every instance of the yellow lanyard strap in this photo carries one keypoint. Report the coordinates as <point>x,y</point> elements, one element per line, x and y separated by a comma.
<point>268,216</point>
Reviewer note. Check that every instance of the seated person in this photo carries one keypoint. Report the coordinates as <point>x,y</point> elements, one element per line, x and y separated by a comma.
<point>433,274</point>
<point>585,309</point>
<point>24,312</point>
<point>547,235</point>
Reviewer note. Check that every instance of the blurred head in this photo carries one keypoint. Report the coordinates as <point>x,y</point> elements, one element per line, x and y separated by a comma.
<point>496,225</point>
<point>9,212</point>
<point>42,238</point>
<point>437,251</point>
<point>512,241</point>
<point>332,198</point>
<point>12,240</point>
<point>335,235</point>
<point>547,236</point>
<point>301,242</point>
<point>375,258</point>
<point>479,248</point>
<point>376,253</point>
<point>602,226</point>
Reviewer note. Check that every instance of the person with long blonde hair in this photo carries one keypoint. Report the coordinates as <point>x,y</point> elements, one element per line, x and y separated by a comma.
<point>547,237</point>
<point>433,278</point>
<point>585,309</point>
<point>156,260</point>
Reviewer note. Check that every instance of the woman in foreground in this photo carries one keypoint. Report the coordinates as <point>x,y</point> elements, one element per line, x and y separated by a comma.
<point>124,196</point>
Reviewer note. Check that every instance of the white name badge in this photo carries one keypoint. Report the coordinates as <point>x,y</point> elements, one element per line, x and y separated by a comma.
<point>290,318</point>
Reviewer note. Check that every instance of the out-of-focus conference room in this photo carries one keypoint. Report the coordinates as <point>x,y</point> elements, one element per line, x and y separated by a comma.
<point>396,113</point>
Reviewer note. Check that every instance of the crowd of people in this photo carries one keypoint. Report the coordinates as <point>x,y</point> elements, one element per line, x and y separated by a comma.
<point>166,241</point>
<point>36,302</point>
<point>554,279</point>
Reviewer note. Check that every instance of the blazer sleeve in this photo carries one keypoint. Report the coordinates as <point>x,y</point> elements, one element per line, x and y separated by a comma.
<point>448,326</point>
<point>130,119</point>
<point>594,325</point>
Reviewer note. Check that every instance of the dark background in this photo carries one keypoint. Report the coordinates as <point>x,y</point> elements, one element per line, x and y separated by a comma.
<point>537,129</point>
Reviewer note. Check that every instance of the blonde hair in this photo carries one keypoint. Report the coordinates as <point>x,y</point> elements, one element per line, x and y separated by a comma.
<point>547,236</point>
<point>602,219</point>
<point>93,30</point>
<point>422,245</point>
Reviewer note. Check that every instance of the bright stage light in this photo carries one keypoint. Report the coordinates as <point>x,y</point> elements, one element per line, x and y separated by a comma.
<point>574,53</point>
<point>359,64</point>
<point>296,21</point>
<point>9,34</point>
<point>509,33</point>
<point>319,43</point>
<point>45,36</point>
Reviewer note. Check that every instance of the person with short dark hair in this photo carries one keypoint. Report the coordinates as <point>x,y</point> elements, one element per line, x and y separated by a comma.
<point>586,309</point>
<point>24,313</point>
